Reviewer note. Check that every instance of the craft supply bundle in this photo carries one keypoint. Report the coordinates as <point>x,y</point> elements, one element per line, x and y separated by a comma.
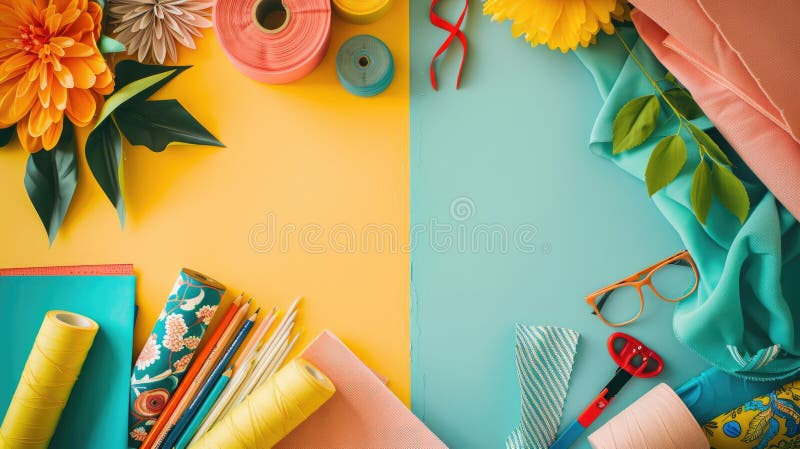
<point>592,241</point>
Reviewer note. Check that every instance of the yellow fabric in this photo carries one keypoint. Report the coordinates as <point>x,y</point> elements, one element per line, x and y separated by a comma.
<point>307,154</point>
<point>766,422</point>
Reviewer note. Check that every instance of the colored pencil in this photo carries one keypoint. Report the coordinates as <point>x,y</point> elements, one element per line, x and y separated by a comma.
<point>242,369</point>
<point>201,414</point>
<point>202,375</point>
<point>280,359</point>
<point>246,353</point>
<point>236,392</point>
<point>175,434</point>
<point>249,383</point>
<point>197,364</point>
<point>266,353</point>
<point>268,357</point>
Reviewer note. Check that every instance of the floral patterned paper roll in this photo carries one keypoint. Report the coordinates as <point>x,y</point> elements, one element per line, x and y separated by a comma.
<point>168,351</point>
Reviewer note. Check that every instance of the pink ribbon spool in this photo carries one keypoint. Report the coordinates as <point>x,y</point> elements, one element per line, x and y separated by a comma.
<point>274,41</point>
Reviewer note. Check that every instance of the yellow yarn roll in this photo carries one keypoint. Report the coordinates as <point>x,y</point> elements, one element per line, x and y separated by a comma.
<point>272,410</point>
<point>361,12</point>
<point>52,368</point>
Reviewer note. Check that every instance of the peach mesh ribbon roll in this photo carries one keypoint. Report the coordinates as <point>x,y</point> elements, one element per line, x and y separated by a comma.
<point>657,420</point>
<point>273,41</point>
<point>50,373</point>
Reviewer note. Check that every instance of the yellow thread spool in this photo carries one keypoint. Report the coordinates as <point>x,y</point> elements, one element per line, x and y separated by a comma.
<point>361,12</point>
<point>271,411</point>
<point>52,368</point>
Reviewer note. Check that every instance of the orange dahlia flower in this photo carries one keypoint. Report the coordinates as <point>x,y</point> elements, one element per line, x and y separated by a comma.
<point>50,66</point>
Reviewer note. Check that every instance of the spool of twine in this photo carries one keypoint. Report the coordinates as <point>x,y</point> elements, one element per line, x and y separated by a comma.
<point>271,411</point>
<point>58,353</point>
<point>658,420</point>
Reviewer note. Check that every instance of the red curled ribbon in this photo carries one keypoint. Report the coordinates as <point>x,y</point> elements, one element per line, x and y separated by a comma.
<point>455,31</point>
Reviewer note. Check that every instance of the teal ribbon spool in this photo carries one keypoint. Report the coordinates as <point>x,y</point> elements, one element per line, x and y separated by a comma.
<point>364,65</point>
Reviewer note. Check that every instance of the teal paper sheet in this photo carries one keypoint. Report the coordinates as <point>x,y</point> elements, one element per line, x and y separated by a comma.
<point>510,148</point>
<point>96,416</point>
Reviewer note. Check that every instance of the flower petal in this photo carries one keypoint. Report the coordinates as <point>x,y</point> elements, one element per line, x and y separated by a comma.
<point>81,107</point>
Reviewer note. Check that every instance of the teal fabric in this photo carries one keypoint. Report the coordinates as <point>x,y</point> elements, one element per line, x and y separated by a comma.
<point>742,318</point>
<point>714,392</point>
<point>545,355</point>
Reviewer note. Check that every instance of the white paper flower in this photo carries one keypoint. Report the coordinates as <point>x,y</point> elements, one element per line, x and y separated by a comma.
<point>151,29</point>
<point>150,353</point>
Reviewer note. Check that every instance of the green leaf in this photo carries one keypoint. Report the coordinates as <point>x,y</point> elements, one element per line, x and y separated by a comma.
<point>670,77</point>
<point>50,180</point>
<point>730,191</point>
<point>102,3</point>
<point>684,103</point>
<point>104,155</point>
<point>128,71</point>
<point>156,124</point>
<point>123,95</point>
<point>108,45</point>
<point>666,161</point>
<point>708,145</point>
<point>702,191</point>
<point>635,122</point>
<point>6,134</point>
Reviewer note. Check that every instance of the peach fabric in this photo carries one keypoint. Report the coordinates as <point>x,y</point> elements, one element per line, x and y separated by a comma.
<point>741,62</point>
<point>363,413</point>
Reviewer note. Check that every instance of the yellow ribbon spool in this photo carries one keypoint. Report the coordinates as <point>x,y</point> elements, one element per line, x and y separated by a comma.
<point>52,368</point>
<point>272,410</point>
<point>361,12</point>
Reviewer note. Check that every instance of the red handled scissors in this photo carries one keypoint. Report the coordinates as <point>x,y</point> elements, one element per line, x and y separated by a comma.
<point>633,359</point>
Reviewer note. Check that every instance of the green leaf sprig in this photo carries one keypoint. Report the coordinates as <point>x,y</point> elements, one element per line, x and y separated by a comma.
<point>152,123</point>
<point>713,176</point>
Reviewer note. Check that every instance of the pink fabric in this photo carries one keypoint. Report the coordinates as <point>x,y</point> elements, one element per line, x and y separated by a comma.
<point>363,414</point>
<point>741,62</point>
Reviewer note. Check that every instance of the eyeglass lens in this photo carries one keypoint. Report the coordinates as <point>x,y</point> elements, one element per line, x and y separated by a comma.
<point>674,280</point>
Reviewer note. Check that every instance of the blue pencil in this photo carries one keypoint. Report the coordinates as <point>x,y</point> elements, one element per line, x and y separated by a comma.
<point>203,412</point>
<point>176,432</point>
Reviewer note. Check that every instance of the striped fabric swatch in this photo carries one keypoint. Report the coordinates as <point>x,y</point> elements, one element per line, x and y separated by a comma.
<point>545,355</point>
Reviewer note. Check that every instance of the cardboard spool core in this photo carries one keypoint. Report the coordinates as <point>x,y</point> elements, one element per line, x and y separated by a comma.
<point>271,16</point>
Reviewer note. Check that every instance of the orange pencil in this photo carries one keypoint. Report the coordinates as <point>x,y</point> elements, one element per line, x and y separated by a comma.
<point>199,360</point>
<point>205,370</point>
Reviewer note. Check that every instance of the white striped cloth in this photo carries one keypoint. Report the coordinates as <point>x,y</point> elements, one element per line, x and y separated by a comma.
<point>545,355</point>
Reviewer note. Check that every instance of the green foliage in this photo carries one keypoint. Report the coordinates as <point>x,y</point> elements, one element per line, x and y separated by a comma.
<point>683,102</point>
<point>152,123</point>
<point>104,156</point>
<point>707,145</point>
<point>156,124</point>
<point>712,177</point>
<point>6,134</point>
<point>666,161</point>
<point>108,45</point>
<point>635,122</point>
<point>702,191</point>
<point>50,180</point>
<point>730,191</point>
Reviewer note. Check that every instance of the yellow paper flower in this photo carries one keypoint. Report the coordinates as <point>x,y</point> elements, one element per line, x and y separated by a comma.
<point>561,24</point>
<point>50,66</point>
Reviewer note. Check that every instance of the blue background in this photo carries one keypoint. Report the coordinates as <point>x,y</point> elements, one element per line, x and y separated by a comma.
<point>511,148</point>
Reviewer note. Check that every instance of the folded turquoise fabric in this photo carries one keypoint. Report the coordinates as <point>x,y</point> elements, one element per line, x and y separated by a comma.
<point>714,392</point>
<point>742,317</point>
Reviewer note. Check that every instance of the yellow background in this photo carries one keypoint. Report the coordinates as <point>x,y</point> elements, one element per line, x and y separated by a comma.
<point>308,153</point>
